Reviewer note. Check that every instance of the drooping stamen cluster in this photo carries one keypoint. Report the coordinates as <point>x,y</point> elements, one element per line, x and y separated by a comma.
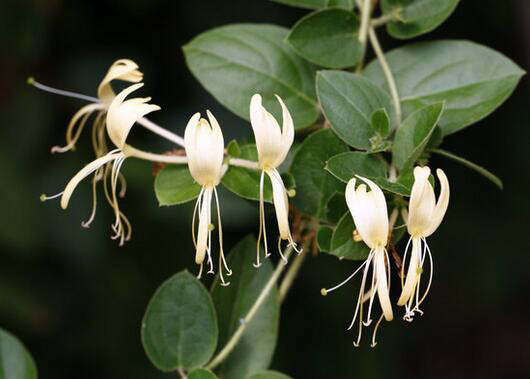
<point>369,212</point>
<point>204,145</point>
<point>424,217</point>
<point>272,144</point>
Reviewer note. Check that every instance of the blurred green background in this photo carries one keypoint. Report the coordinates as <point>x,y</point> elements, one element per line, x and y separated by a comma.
<point>76,299</point>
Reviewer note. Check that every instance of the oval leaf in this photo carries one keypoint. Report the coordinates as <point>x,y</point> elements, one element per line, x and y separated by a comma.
<point>175,185</point>
<point>201,373</point>
<point>254,350</point>
<point>328,38</point>
<point>343,245</point>
<point>346,165</point>
<point>472,79</point>
<point>413,135</point>
<point>348,101</point>
<point>269,375</point>
<point>15,360</point>
<point>236,61</point>
<point>316,4</point>
<point>179,329</point>
<point>317,185</point>
<point>245,182</point>
<point>416,17</point>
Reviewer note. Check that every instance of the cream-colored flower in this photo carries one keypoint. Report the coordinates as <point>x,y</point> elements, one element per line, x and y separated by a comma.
<point>204,145</point>
<point>121,116</point>
<point>424,216</point>
<point>369,213</point>
<point>124,70</point>
<point>273,144</point>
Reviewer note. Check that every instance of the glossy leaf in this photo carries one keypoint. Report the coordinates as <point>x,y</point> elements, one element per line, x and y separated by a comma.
<point>201,373</point>
<point>413,135</point>
<point>15,361</point>
<point>316,4</point>
<point>348,101</point>
<point>324,235</point>
<point>328,38</point>
<point>315,184</point>
<point>473,80</point>
<point>346,165</point>
<point>269,375</point>
<point>175,185</point>
<point>245,182</point>
<point>342,243</point>
<point>254,350</point>
<point>236,61</point>
<point>416,17</point>
<point>179,328</point>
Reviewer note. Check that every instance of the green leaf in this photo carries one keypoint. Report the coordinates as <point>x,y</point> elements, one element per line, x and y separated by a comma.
<point>380,122</point>
<point>342,243</point>
<point>233,149</point>
<point>416,17</point>
<point>328,38</point>
<point>245,182</point>
<point>15,361</point>
<point>481,170</point>
<point>175,185</point>
<point>316,185</point>
<point>316,4</point>
<point>413,135</point>
<point>473,80</point>
<point>234,62</point>
<point>254,350</point>
<point>348,101</point>
<point>324,238</point>
<point>179,329</point>
<point>335,207</point>
<point>269,375</point>
<point>201,373</point>
<point>346,165</point>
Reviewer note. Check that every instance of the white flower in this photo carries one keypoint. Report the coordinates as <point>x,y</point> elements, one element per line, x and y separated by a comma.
<point>273,144</point>
<point>369,213</point>
<point>122,115</point>
<point>204,145</point>
<point>424,217</point>
<point>123,69</point>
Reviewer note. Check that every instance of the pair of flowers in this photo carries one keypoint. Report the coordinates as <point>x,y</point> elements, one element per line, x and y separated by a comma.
<point>204,146</point>
<point>369,212</point>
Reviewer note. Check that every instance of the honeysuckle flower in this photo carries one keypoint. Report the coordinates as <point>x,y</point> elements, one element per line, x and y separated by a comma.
<point>370,216</point>
<point>272,144</point>
<point>204,146</point>
<point>122,69</point>
<point>424,216</point>
<point>121,116</point>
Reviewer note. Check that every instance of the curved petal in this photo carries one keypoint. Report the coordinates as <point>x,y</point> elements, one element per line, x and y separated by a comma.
<point>382,284</point>
<point>422,202</point>
<point>85,171</point>
<point>442,204</point>
<point>267,134</point>
<point>287,130</point>
<point>378,201</point>
<point>281,204</point>
<point>412,272</point>
<point>122,114</point>
<point>217,142</point>
<point>122,69</point>
<point>204,216</point>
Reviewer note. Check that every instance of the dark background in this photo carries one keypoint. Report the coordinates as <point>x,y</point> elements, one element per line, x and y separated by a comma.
<point>76,299</point>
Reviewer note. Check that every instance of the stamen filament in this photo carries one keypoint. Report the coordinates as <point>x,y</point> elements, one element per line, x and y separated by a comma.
<point>32,82</point>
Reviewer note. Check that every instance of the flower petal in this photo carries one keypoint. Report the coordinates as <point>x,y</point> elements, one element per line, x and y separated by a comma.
<point>83,173</point>
<point>267,134</point>
<point>281,204</point>
<point>122,114</point>
<point>422,202</point>
<point>442,204</point>
<point>412,272</point>
<point>122,69</point>
<point>382,284</point>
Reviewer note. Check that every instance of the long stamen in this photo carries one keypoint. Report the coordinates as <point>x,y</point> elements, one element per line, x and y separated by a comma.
<point>222,261</point>
<point>45,197</point>
<point>374,335</point>
<point>430,274</point>
<point>403,264</point>
<point>95,178</point>
<point>325,291</point>
<point>195,209</point>
<point>32,82</point>
<point>285,261</point>
<point>360,308</point>
<point>372,297</point>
